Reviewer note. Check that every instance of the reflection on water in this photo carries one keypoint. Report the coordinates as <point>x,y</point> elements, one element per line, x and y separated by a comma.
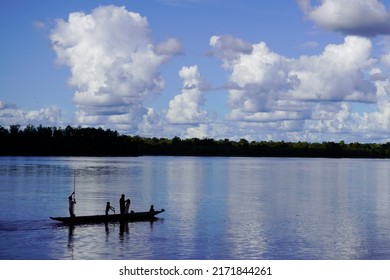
<point>216,208</point>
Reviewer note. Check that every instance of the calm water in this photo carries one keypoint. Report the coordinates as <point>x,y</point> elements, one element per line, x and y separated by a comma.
<point>216,208</point>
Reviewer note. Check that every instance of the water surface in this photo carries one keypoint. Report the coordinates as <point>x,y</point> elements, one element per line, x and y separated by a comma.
<point>216,208</point>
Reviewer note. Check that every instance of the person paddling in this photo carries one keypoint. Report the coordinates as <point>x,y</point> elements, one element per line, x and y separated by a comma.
<point>109,207</point>
<point>72,202</point>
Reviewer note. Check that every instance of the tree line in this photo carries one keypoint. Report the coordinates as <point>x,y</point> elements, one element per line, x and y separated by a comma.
<point>69,141</point>
<point>89,141</point>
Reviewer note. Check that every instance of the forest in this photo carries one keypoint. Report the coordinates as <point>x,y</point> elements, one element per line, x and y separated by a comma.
<point>89,141</point>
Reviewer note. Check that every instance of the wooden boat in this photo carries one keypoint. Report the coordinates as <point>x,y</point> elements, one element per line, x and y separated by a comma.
<point>131,217</point>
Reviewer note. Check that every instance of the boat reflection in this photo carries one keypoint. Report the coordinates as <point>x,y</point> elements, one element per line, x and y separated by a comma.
<point>123,228</point>
<point>79,241</point>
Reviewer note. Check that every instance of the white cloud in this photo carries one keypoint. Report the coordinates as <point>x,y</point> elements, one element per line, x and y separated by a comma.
<point>113,63</point>
<point>306,98</point>
<point>168,48</point>
<point>10,115</point>
<point>152,124</point>
<point>271,87</point>
<point>201,131</point>
<point>353,17</point>
<point>229,46</point>
<point>185,108</point>
<point>337,74</point>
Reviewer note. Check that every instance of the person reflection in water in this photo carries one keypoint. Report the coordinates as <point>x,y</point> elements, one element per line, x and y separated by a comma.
<point>72,202</point>
<point>122,205</point>
<point>109,207</point>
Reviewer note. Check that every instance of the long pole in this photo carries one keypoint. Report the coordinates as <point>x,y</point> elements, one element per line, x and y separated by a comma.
<point>74,185</point>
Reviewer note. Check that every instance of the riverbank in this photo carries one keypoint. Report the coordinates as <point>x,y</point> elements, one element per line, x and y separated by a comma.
<point>53,141</point>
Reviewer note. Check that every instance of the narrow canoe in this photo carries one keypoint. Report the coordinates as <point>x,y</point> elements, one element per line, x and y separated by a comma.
<point>134,216</point>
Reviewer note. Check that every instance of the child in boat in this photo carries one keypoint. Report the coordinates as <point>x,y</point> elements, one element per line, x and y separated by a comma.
<point>109,207</point>
<point>127,207</point>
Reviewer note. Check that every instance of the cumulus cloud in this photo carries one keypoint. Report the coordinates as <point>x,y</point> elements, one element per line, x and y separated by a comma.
<point>271,87</point>
<point>350,17</point>
<point>308,96</point>
<point>168,48</point>
<point>337,74</point>
<point>186,107</point>
<point>229,46</point>
<point>113,63</point>
<point>11,114</point>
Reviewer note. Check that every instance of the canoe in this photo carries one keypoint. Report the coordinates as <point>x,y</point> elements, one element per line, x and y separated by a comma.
<point>131,217</point>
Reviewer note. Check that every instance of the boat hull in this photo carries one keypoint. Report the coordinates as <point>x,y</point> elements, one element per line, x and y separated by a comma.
<point>131,217</point>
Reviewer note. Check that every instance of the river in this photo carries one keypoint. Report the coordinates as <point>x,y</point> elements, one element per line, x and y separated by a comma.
<point>216,208</point>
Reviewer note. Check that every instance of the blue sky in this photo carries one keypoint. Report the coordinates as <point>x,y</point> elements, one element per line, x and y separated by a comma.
<point>295,70</point>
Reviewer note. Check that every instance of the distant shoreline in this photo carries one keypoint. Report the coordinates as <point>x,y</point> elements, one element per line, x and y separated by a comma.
<point>70,141</point>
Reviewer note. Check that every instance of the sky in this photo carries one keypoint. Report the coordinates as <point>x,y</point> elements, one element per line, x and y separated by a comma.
<point>283,70</point>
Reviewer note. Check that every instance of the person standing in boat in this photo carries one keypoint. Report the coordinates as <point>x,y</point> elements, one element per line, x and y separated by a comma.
<point>72,202</point>
<point>122,204</point>
<point>109,207</point>
<point>127,206</point>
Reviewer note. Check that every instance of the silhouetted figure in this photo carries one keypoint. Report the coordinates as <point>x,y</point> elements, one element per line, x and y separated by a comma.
<point>109,207</point>
<point>151,208</point>
<point>72,202</point>
<point>127,206</point>
<point>122,204</point>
